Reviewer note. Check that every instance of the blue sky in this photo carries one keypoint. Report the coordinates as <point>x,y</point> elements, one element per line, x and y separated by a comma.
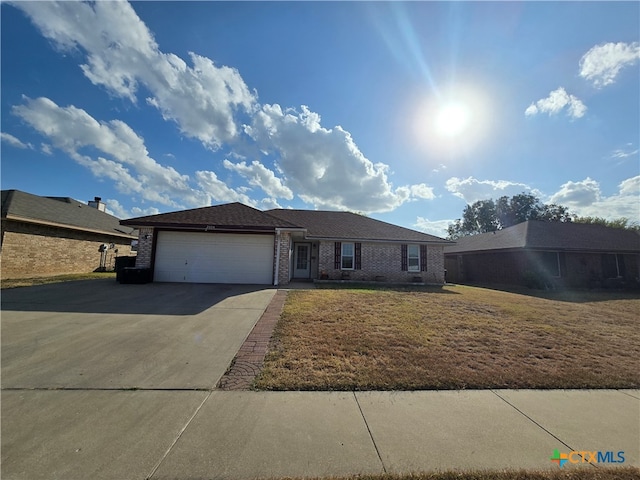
<point>403,111</point>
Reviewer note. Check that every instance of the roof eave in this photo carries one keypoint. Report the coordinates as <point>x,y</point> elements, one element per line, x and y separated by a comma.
<point>377,240</point>
<point>17,218</point>
<point>545,249</point>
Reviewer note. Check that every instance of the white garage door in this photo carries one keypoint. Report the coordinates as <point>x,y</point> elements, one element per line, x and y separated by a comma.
<point>214,258</point>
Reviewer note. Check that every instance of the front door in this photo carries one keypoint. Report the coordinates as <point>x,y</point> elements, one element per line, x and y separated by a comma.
<point>301,260</point>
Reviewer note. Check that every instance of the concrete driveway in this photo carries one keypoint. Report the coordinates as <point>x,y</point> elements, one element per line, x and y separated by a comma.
<point>102,335</point>
<point>96,373</point>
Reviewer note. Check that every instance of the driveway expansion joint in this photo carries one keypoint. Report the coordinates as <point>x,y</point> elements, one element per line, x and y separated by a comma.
<point>366,424</point>
<point>180,433</point>
<point>531,419</point>
<point>249,360</point>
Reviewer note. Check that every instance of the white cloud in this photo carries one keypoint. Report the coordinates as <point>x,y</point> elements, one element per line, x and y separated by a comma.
<point>602,63</point>
<point>471,190</point>
<point>585,198</point>
<point>260,176</point>
<point>422,191</point>
<point>575,194</point>
<point>624,153</point>
<point>46,148</point>
<point>433,227</point>
<point>630,186</point>
<point>557,101</point>
<point>115,208</point>
<point>208,102</point>
<point>72,129</point>
<point>143,212</point>
<point>121,53</point>
<point>326,164</point>
<point>14,141</point>
<point>219,190</point>
<point>268,204</point>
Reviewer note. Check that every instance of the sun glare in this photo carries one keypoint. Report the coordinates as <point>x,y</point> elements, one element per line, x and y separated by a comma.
<point>452,119</point>
<point>453,123</point>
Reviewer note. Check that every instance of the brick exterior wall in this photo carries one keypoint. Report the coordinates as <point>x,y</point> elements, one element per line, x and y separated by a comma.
<point>378,260</point>
<point>30,250</point>
<point>580,270</point>
<point>285,258</point>
<point>145,245</point>
<point>382,262</point>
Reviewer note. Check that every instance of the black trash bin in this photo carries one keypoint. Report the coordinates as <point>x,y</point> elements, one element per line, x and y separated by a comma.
<point>135,275</point>
<point>121,264</point>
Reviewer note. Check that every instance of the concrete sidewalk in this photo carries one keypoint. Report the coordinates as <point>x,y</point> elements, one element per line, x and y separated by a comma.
<point>164,434</point>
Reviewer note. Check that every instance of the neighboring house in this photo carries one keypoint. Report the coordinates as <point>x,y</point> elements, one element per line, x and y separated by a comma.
<point>547,253</point>
<point>234,243</point>
<point>58,235</point>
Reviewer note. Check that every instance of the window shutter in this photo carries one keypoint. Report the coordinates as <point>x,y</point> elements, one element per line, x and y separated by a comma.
<point>357,263</point>
<point>405,257</point>
<point>423,258</point>
<point>338,256</point>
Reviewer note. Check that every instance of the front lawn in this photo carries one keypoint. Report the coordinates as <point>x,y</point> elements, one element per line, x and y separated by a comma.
<point>624,473</point>
<point>72,277</point>
<point>453,338</point>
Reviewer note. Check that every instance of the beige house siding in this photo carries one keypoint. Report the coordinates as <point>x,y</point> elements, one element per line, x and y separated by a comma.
<point>382,262</point>
<point>30,250</point>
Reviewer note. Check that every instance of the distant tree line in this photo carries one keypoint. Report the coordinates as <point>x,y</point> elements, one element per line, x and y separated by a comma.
<point>490,215</point>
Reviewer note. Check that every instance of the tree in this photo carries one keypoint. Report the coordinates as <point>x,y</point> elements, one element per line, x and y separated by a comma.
<point>488,216</point>
<point>517,209</point>
<point>622,222</point>
<point>480,217</point>
<point>556,213</point>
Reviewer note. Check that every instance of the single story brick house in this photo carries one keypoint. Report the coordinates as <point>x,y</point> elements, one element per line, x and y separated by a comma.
<point>58,235</point>
<point>555,254</point>
<point>235,243</point>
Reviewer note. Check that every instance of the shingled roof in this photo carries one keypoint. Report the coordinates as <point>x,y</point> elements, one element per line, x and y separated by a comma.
<point>350,226</point>
<point>61,212</point>
<point>318,224</point>
<point>231,216</point>
<point>555,236</point>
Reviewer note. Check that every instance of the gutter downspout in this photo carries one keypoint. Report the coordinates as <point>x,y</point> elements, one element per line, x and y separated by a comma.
<point>277,272</point>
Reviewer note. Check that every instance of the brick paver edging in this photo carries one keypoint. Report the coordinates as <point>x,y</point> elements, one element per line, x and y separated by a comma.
<point>250,358</point>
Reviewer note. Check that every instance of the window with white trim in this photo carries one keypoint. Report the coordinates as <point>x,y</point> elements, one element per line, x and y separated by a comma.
<point>347,256</point>
<point>413,258</point>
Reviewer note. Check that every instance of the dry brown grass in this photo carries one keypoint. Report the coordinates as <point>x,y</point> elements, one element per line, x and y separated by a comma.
<point>453,338</point>
<point>625,473</point>
<point>30,282</point>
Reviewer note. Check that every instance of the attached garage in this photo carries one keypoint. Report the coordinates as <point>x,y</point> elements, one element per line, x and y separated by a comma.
<point>230,243</point>
<point>207,257</point>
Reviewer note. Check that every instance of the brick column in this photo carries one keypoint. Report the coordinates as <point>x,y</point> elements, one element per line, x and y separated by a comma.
<point>145,243</point>
<point>435,264</point>
<point>285,255</point>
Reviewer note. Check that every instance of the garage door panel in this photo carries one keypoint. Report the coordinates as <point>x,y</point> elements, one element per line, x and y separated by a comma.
<point>214,258</point>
